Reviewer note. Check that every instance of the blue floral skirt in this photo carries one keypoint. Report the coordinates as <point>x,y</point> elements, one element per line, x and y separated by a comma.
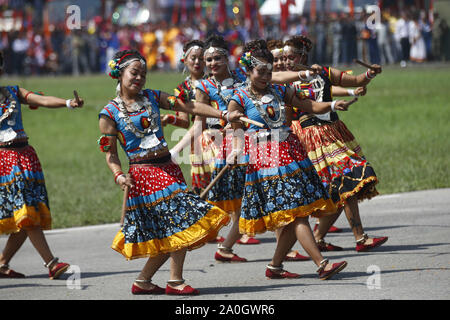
<point>162,216</point>
<point>226,193</point>
<point>281,185</point>
<point>23,195</point>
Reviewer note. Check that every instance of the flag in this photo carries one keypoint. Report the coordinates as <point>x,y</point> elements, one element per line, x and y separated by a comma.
<point>221,12</point>
<point>284,15</point>
<point>313,10</point>
<point>198,8</point>
<point>351,7</point>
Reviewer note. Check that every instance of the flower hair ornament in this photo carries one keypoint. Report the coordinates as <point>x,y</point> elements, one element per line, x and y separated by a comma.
<point>116,65</point>
<point>247,60</point>
<point>277,50</point>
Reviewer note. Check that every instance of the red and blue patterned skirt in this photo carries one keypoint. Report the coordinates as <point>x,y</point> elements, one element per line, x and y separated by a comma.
<point>23,195</point>
<point>162,216</point>
<point>281,185</point>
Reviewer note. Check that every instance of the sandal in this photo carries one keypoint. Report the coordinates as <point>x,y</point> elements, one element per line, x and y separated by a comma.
<point>138,290</point>
<point>55,269</point>
<point>376,242</point>
<point>324,246</point>
<point>279,273</point>
<point>10,273</point>
<point>221,258</point>
<point>186,291</point>
<point>335,268</point>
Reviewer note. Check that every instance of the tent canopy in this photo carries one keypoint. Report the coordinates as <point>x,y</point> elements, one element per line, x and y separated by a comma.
<point>272,7</point>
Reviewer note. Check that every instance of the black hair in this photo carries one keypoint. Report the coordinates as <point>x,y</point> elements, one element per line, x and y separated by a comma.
<point>193,43</point>
<point>299,42</point>
<point>258,49</point>
<point>274,44</point>
<point>216,41</point>
<point>132,54</point>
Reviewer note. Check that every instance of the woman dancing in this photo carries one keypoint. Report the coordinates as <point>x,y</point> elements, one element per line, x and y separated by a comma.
<point>24,206</point>
<point>332,148</point>
<point>282,188</point>
<point>162,219</point>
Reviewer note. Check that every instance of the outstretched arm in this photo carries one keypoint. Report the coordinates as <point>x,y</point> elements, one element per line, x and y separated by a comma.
<point>28,97</point>
<point>344,92</point>
<point>311,106</point>
<point>343,79</point>
<point>196,108</point>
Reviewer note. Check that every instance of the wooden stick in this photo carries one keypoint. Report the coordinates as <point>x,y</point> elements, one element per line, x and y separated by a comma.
<point>124,204</point>
<point>305,67</point>
<point>77,98</point>
<point>352,101</point>
<point>214,181</point>
<point>364,64</point>
<point>256,123</point>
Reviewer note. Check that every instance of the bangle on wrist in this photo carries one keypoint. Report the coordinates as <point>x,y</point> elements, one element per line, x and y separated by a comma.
<point>368,76</point>
<point>117,175</point>
<point>307,77</point>
<point>333,104</point>
<point>68,104</point>
<point>172,119</point>
<point>224,115</point>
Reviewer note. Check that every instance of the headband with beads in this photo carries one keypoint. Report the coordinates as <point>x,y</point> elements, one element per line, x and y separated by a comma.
<point>185,54</point>
<point>301,51</point>
<point>116,65</point>
<point>221,51</point>
<point>277,50</point>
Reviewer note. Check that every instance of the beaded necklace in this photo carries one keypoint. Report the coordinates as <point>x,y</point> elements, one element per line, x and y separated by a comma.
<point>228,83</point>
<point>141,103</point>
<point>6,96</point>
<point>258,103</point>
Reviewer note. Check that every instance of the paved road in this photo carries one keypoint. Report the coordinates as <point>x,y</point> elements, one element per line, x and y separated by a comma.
<point>413,264</point>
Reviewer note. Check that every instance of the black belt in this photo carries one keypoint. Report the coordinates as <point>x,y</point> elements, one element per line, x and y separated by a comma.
<point>152,161</point>
<point>14,145</point>
<point>215,126</point>
<point>314,121</point>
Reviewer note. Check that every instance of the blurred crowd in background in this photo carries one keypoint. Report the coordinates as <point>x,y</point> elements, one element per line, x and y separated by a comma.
<point>401,37</point>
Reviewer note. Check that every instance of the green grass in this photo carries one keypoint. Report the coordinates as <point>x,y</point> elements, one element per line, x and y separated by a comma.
<point>402,125</point>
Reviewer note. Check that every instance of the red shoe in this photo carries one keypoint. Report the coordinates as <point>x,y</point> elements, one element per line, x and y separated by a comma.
<point>336,268</point>
<point>58,270</point>
<point>235,258</point>
<point>155,290</point>
<point>297,257</point>
<point>217,240</point>
<point>324,246</point>
<point>186,291</point>
<point>332,229</point>
<point>360,247</point>
<point>250,240</point>
<point>282,274</point>
<point>10,273</point>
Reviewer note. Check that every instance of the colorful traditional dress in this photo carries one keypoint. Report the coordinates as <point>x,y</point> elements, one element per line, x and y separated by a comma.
<point>23,195</point>
<point>331,146</point>
<point>227,192</point>
<point>202,150</point>
<point>161,215</point>
<point>281,183</point>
